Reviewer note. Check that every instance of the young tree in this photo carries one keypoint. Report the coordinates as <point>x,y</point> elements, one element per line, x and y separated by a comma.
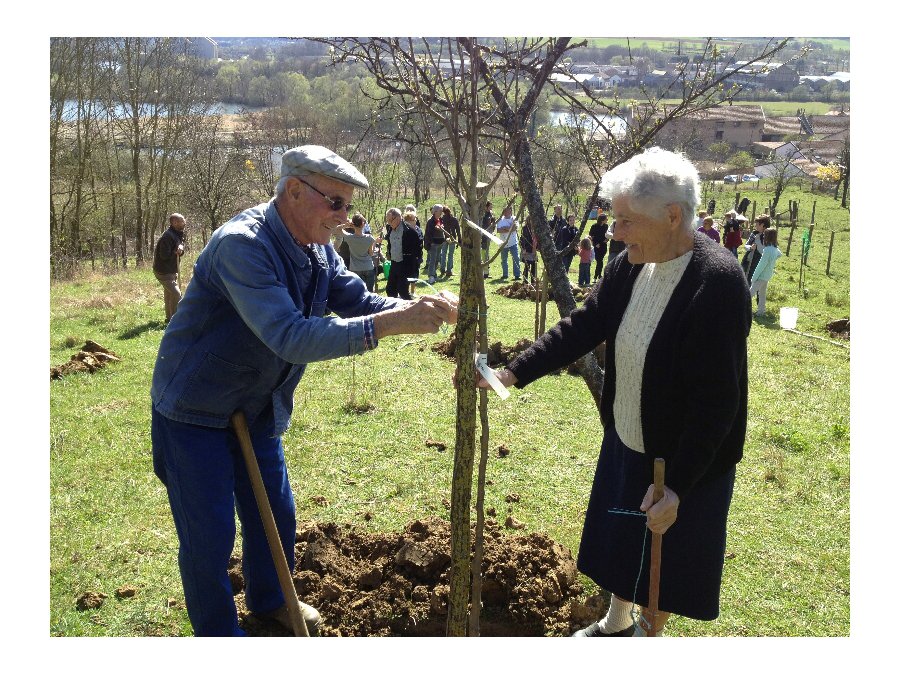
<point>432,90</point>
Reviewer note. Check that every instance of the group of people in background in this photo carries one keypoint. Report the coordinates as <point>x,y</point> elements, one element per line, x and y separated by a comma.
<point>760,251</point>
<point>401,259</point>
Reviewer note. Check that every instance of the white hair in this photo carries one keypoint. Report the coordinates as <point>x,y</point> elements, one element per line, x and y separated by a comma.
<point>653,180</point>
<point>282,182</point>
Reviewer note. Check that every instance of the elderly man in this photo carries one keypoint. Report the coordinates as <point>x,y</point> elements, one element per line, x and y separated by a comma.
<point>252,318</point>
<point>166,256</point>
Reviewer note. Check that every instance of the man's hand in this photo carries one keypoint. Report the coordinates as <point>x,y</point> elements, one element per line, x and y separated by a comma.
<point>179,250</point>
<point>426,314</point>
<point>661,515</point>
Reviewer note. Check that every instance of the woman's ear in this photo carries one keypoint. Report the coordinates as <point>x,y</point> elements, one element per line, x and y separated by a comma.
<point>674,213</point>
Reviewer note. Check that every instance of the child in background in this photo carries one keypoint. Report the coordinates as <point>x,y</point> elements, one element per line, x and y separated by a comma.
<point>707,228</point>
<point>765,268</point>
<point>586,256</point>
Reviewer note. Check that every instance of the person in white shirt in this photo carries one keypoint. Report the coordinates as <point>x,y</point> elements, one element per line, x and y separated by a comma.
<point>506,229</point>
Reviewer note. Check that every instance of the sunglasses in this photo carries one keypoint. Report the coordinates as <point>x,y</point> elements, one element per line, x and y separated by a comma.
<point>337,203</point>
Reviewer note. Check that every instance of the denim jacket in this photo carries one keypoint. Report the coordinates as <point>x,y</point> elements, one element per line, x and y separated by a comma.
<point>251,319</point>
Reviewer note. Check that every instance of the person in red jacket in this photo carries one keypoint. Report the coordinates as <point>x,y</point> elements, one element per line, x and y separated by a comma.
<point>733,239</point>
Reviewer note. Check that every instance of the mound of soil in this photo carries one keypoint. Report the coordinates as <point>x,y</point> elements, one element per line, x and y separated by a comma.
<point>498,354</point>
<point>839,328</point>
<point>397,584</point>
<point>519,290</point>
<point>89,359</point>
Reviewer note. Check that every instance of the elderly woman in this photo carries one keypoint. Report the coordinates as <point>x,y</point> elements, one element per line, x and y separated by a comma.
<point>658,309</point>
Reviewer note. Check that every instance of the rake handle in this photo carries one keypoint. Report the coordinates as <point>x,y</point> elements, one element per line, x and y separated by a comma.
<point>298,624</point>
<point>659,475</point>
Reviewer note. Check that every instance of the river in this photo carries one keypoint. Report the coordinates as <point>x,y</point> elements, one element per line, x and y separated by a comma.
<point>617,125</point>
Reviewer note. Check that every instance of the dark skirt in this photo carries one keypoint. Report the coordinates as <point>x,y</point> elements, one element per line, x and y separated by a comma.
<point>693,549</point>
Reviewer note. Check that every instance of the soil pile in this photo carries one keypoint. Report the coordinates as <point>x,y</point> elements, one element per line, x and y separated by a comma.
<point>89,359</point>
<point>839,328</point>
<point>498,354</point>
<point>521,291</point>
<point>397,584</point>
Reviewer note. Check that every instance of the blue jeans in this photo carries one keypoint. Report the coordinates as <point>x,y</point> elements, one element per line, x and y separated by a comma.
<point>434,258</point>
<point>206,478</point>
<point>504,264</point>
<point>447,252</point>
<point>368,277</point>
<point>584,274</point>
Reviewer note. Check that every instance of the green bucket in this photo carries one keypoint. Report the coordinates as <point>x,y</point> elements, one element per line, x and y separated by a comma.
<point>386,265</point>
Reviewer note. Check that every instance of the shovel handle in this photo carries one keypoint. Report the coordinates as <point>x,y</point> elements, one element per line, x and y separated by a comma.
<point>659,477</point>
<point>239,422</point>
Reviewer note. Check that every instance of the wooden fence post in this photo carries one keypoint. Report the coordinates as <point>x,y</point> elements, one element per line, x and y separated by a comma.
<point>830,246</point>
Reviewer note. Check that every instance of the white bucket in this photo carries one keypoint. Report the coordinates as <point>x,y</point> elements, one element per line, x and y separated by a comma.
<point>788,318</point>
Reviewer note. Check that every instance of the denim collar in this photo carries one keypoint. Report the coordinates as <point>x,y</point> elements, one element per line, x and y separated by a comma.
<point>286,240</point>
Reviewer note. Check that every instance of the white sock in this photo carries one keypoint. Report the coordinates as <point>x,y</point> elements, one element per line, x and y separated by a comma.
<point>618,617</point>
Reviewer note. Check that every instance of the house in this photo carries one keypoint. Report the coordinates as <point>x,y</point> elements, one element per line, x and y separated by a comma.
<point>777,76</point>
<point>776,128</point>
<point>739,125</point>
<point>805,168</point>
<point>766,149</point>
<point>830,127</point>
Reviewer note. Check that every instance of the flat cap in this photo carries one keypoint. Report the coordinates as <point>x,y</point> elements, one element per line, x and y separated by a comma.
<point>315,159</point>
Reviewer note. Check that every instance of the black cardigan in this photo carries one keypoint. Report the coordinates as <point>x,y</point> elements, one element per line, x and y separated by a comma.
<point>697,356</point>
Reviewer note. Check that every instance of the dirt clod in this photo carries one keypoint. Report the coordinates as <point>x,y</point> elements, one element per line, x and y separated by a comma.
<point>90,600</point>
<point>319,500</point>
<point>437,445</point>
<point>514,524</point>
<point>502,450</point>
<point>513,497</point>
<point>126,592</point>
<point>839,328</point>
<point>89,359</point>
<point>397,583</point>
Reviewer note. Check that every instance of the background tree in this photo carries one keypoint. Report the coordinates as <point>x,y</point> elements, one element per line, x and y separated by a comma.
<point>719,151</point>
<point>783,173</point>
<point>740,163</point>
<point>212,172</point>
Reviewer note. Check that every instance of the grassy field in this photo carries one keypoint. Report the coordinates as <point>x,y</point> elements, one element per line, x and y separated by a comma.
<point>780,108</point>
<point>787,572</point>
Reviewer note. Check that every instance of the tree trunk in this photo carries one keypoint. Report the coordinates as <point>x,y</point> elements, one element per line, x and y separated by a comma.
<point>562,289</point>
<point>466,395</point>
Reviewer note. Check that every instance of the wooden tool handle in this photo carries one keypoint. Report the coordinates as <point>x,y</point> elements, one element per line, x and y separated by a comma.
<point>659,477</point>
<point>239,422</point>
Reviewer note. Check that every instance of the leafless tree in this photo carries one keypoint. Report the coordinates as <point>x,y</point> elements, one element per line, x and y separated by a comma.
<point>434,93</point>
<point>212,174</point>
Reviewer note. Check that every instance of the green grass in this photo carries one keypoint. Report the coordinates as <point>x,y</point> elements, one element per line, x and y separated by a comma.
<point>789,530</point>
<point>780,108</point>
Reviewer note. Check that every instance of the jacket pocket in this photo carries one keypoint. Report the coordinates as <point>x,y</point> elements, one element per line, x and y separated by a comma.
<point>217,387</point>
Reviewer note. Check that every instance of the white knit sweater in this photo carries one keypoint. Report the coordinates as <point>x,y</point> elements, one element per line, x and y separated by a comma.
<point>653,289</point>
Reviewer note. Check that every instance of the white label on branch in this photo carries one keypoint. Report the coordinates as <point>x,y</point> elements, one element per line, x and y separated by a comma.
<point>490,378</point>
<point>493,237</point>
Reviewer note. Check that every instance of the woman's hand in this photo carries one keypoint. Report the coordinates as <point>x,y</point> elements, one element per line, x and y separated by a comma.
<point>506,377</point>
<point>661,515</point>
